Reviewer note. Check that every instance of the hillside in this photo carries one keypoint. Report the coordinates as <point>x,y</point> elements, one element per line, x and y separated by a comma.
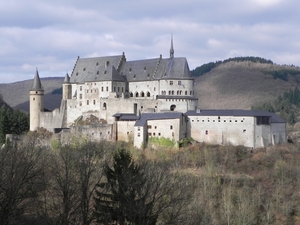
<point>17,94</point>
<point>240,85</point>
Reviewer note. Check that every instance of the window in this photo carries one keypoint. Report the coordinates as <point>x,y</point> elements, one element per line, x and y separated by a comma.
<point>149,126</point>
<point>83,69</point>
<point>80,96</point>
<point>87,102</point>
<point>185,92</point>
<point>80,103</point>
<point>102,88</point>
<point>148,94</point>
<point>244,131</point>
<point>104,106</point>
<point>158,134</point>
<point>118,89</point>
<point>142,94</point>
<point>179,82</point>
<point>80,88</point>
<point>171,127</point>
<point>33,99</point>
<point>171,82</point>
<point>97,72</point>
<point>206,132</point>
<point>155,127</point>
<point>138,134</point>
<point>106,88</point>
<point>87,91</point>
<point>94,101</point>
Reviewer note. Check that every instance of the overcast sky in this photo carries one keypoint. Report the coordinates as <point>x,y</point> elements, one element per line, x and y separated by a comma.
<point>50,34</point>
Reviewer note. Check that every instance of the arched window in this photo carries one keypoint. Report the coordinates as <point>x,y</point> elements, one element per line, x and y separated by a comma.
<point>177,92</point>
<point>185,92</point>
<point>136,94</point>
<point>104,106</point>
<point>172,92</point>
<point>131,94</point>
<point>172,107</point>
<point>142,94</point>
<point>148,94</point>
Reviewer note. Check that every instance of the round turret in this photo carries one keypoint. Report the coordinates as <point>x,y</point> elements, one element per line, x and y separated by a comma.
<point>36,102</point>
<point>66,88</point>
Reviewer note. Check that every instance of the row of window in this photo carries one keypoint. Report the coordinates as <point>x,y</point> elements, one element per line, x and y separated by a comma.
<point>218,121</point>
<point>155,127</point>
<point>179,82</point>
<point>206,132</point>
<point>179,92</point>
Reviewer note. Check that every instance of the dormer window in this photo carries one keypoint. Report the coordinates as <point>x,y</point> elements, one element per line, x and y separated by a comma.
<point>83,69</point>
<point>97,72</point>
<point>129,69</point>
<point>97,64</point>
<point>148,75</point>
<point>104,71</point>
<point>107,63</point>
<point>145,68</point>
<point>134,76</point>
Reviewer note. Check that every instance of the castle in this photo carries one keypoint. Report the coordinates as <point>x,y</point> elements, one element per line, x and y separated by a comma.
<point>114,99</point>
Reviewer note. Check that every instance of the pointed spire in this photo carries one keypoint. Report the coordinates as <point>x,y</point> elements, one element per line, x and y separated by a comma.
<point>171,49</point>
<point>67,78</point>
<point>36,82</point>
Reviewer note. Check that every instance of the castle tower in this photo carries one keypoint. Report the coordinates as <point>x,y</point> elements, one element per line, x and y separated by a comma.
<point>171,49</point>
<point>67,88</point>
<point>36,102</point>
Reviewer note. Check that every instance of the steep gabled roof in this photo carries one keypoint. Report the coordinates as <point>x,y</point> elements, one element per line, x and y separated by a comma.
<point>86,69</point>
<point>155,69</point>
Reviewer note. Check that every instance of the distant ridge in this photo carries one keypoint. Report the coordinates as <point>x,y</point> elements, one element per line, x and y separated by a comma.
<point>17,94</point>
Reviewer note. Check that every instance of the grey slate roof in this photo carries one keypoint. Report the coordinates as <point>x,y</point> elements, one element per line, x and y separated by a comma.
<point>157,116</point>
<point>36,86</point>
<point>235,113</point>
<point>97,68</point>
<point>126,116</point>
<point>110,68</point>
<point>157,68</point>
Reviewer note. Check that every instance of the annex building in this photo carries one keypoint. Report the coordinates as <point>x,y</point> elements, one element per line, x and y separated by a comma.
<point>114,99</point>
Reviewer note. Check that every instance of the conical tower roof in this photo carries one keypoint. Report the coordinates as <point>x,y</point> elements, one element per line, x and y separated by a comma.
<point>36,86</point>
<point>67,78</point>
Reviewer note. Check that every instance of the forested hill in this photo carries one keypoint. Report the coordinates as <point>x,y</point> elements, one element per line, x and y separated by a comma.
<point>278,73</point>
<point>242,82</point>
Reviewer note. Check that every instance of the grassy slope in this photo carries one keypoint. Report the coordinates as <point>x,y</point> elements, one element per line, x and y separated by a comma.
<point>239,86</point>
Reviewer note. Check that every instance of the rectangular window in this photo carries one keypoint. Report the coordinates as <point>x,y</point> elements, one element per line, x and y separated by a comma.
<point>206,132</point>
<point>179,82</point>
<point>94,101</point>
<point>80,88</point>
<point>138,134</point>
<point>106,88</point>
<point>171,82</point>
<point>149,126</point>
<point>101,88</point>
<point>171,127</point>
<point>87,102</point>
<point>80,96</point>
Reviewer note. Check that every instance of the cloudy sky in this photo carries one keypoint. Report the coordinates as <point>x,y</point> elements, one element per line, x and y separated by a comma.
<point>50,34</point>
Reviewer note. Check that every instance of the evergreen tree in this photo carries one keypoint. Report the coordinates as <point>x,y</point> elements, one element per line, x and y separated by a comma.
<point>4,123</point>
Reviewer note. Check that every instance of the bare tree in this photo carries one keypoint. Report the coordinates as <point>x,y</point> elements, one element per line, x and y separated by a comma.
<point>20,179</point>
